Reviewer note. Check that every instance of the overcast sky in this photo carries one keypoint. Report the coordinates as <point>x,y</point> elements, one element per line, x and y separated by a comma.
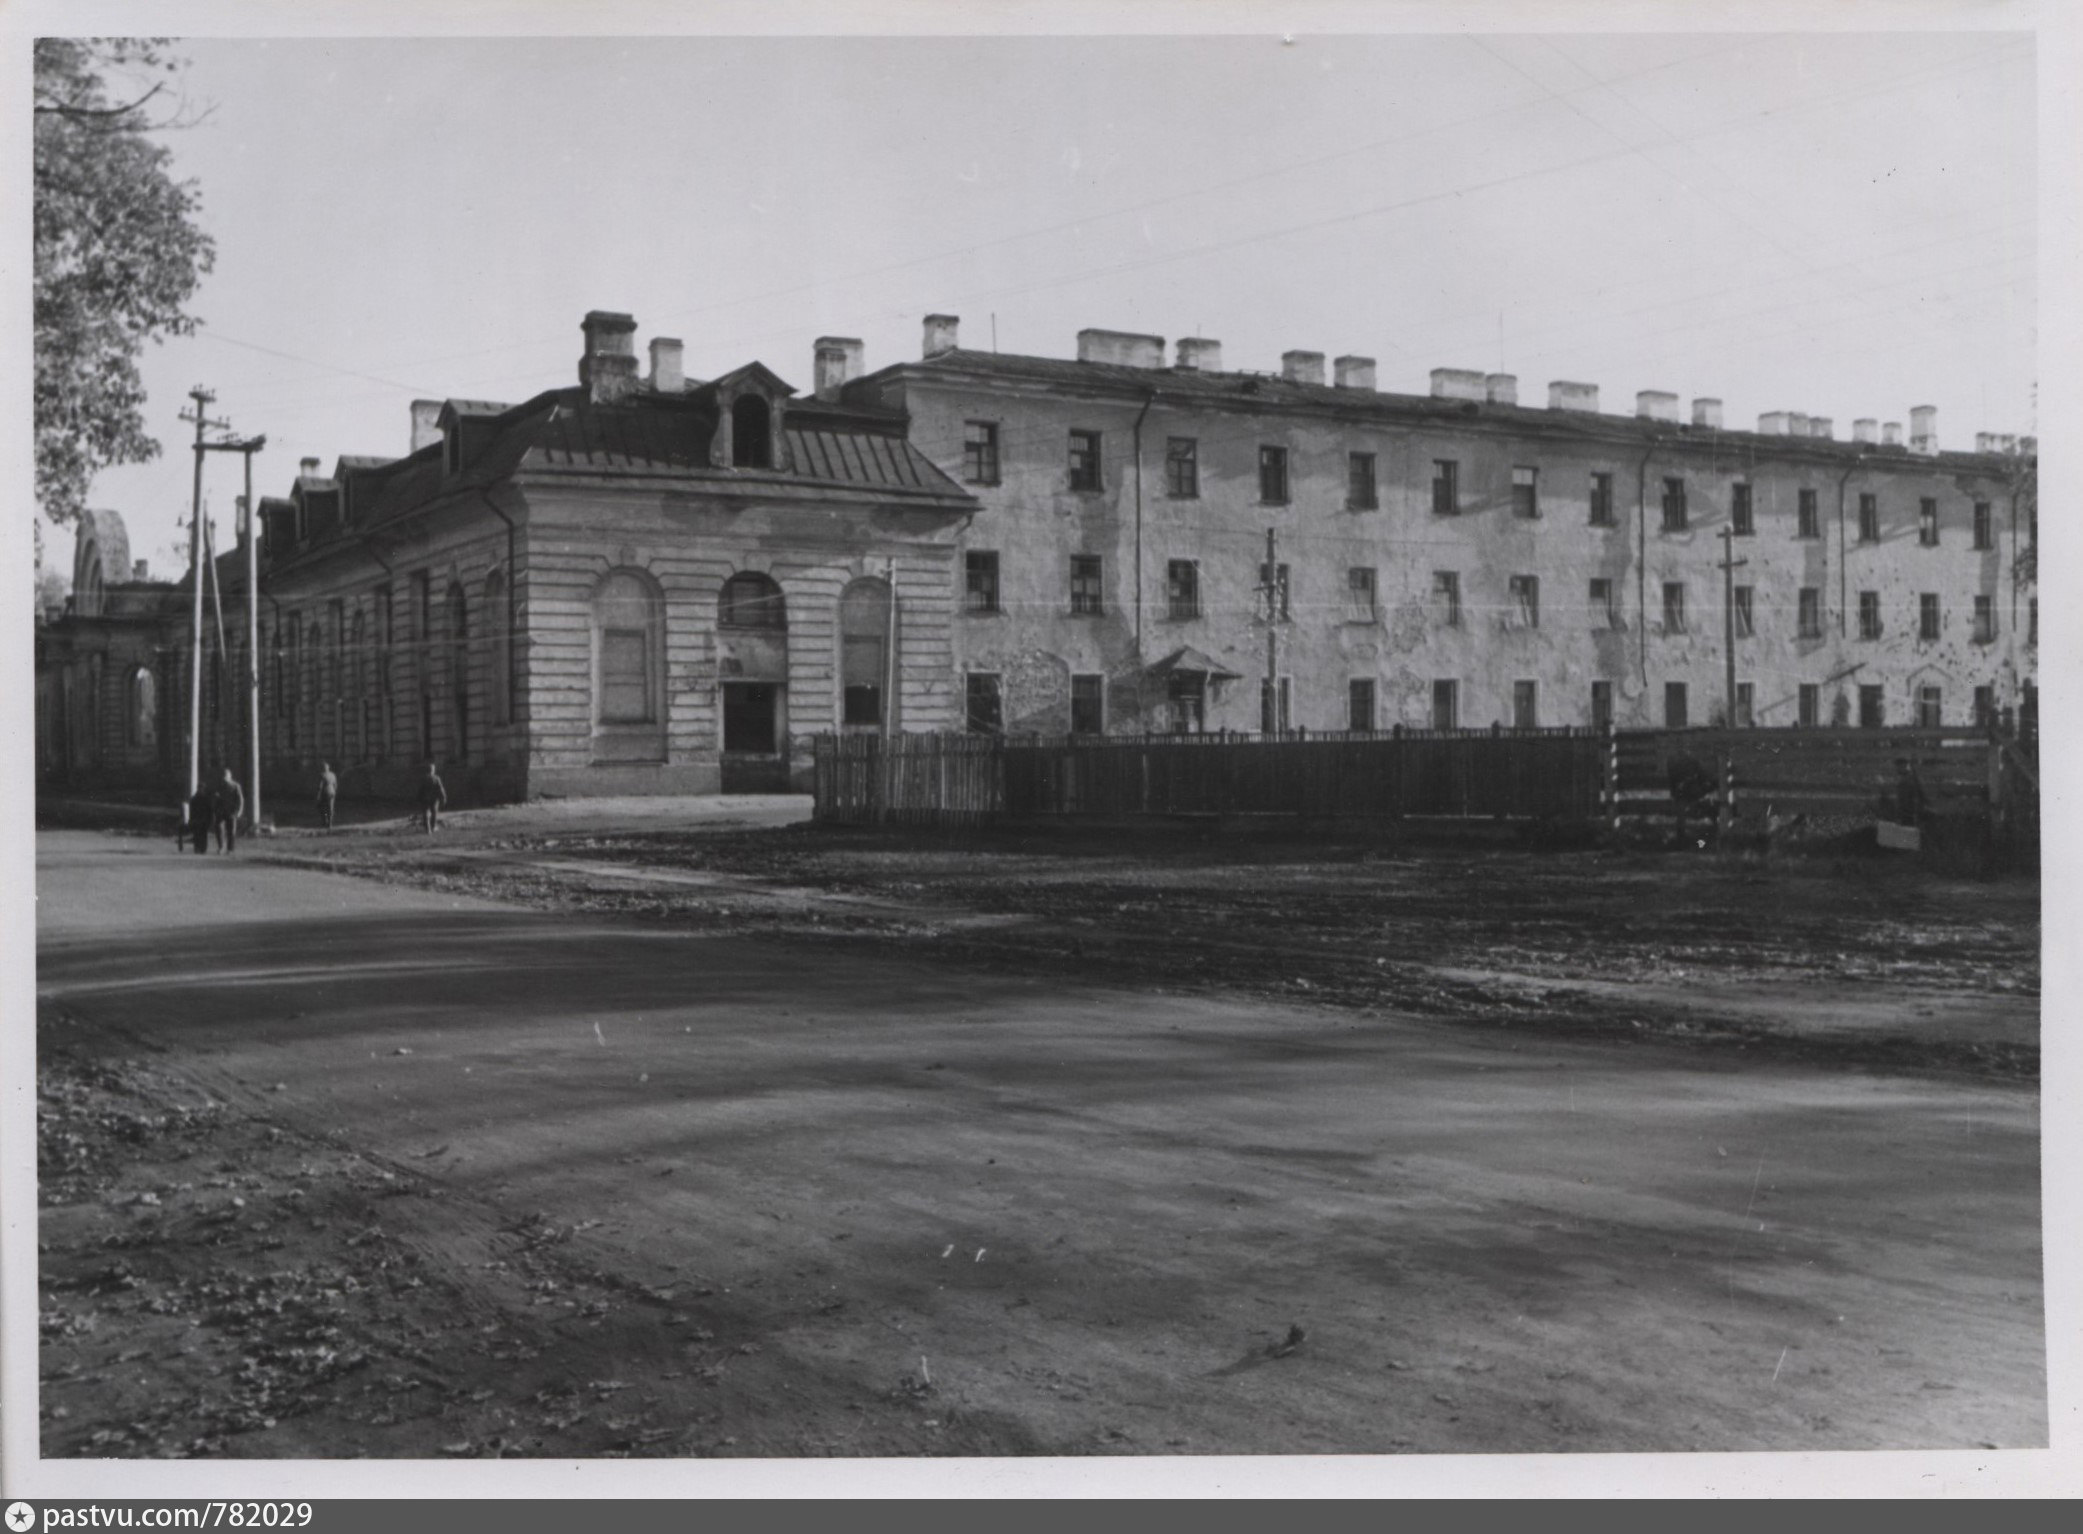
<point>1841,224</point>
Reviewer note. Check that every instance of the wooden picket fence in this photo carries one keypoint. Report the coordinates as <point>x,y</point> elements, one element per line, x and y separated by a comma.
<point>947,780</point>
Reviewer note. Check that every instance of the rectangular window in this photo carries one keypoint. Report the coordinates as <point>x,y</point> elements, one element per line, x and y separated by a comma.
<point>980,574</point>
<point>336,610</point>
<point>1930,715</point>
<point>1869,517</point>
<point>1182,468</point>
<point>1985,620</point>
<point>1359,593</point>
<point>1273,591</point>
<point>980,452</point>
<point>1741,518</point>
<point>1605,612</point>
<point>1746,705</point>
<point>625,681</point>
<point>1807,523</point>
<point>1674,607</point>
<point>1985,533</point>
<point>1446,705</point>
<point>1985,707</point>
<point>1088,705</point>
<point>1601,500</point>
<point>1869,615</point>
<point>1927,522</point>
<point>1601,705</point>
<point>1809,705</point>
<point>1676,519</point>
<point>1359,704</point>
<point>1085,584</point>
<point>1446,487</point>
<point>1674,706</point>
<point>1526,600</point>
<point>422,613</point>
<point>1182,589</point>
<point>1526,491</point>
<point>1272,475</point>
<point>1927,616</point>
<point>983,710</point>
<point>1746,611</point>
<point>1873,711</point>
<point>1525,705</point>
<point>1446,597</point>
<point>1086,471</point>
<point>1360,491</point>
<point>1809,613</point>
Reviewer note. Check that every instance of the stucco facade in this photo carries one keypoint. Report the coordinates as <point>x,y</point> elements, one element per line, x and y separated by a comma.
<point>1541,579</point>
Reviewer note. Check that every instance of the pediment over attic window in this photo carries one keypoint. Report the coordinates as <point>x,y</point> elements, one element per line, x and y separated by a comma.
<point>752,403</point>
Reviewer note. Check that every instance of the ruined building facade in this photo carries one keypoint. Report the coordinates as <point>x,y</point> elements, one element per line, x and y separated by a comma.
<point>1454,559</point>
<point>650,583</point>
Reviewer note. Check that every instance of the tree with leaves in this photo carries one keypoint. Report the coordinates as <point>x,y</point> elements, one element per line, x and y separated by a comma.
<point>118,256</point>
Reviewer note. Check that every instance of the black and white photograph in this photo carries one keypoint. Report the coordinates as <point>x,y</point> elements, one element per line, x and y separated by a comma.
<point>1234,750</point>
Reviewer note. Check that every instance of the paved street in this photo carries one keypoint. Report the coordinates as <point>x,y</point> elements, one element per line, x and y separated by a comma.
<point>835,1206</point>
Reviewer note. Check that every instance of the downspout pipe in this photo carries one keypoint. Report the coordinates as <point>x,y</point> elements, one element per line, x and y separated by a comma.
<point>1843,594</point>
<point>1642,568</point>
<point>1148,400</point>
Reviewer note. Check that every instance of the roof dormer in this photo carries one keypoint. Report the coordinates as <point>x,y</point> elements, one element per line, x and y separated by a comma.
<point>751,409</point>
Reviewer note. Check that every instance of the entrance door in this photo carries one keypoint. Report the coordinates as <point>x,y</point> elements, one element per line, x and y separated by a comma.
<point>753,761</point>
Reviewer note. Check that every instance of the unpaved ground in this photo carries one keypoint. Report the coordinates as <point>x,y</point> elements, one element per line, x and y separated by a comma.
<point>334,1167</point>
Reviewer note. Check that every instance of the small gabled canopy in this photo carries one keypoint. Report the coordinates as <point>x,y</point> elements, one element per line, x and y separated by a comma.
<point>1187,661</point>
<point>456,409</point>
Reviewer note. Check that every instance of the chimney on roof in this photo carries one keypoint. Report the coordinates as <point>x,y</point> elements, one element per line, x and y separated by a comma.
<point>1821,426</point>
<point>1923,429</point>
<point>2028,447</point>
<point>607,368</point>
<point>141,571</point>
<point>1302,367</point>
<point>1199,356</point>
<point>426,423</point>
<point>1351,372</point>
<point>1797,423</point>
<point>307,468</point>
<point>941,332</point>
<point>2007,443</point>
<point>1458,383</point>
<point>1865,429</point>
<point>667,374</point>
<point>1985,442</point>
<point>836,362</point>
<point>1891,434</point>
<point>1707,413</point>
<point>1122,348</point>
<point>1563,395</point>
<point>1656,405</point>
<point>1501,388</point>
<point>1773,423</point>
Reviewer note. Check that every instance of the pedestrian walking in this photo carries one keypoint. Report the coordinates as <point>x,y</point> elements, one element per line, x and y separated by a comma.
<point>328,793</point>
<point>432,796</point>
<point>227,804</point>
<point>201,812</point>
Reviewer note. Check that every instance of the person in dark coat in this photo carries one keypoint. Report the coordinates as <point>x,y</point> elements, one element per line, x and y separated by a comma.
<point>328,793</point>
<point>201,811</point>
<point>227,804</point>
<point>432,796</point>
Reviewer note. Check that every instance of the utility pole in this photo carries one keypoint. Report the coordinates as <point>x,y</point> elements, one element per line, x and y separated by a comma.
<point>203,399</point>
<point>1269,708</point>
<point>1730,564</point>
<point>249,532</point>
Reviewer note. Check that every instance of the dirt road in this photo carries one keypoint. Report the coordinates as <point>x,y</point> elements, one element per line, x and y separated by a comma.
<point>332,1167</point>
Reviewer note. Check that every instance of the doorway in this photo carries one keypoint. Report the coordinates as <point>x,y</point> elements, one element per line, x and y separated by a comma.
<point>755,760</point>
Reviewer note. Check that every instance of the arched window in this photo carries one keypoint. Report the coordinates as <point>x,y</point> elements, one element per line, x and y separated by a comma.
<point>314,659</point>
<point>751,601</point>
<point>498,626</point>
<point>751,432</point>
<point>628,669</point>
<point>144,707</point>
<point>459,672</point>
<point>864,627</point>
